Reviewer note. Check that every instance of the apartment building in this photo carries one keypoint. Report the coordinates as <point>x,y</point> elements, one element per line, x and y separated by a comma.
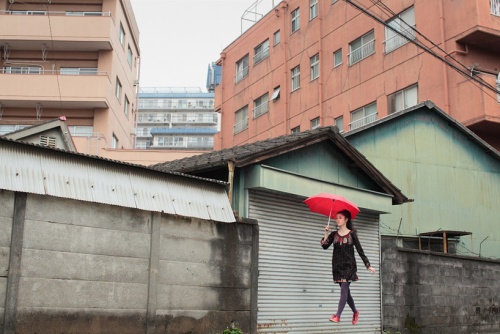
<point>176,118</point>
<point>310,63</point>
<point>74,59</point>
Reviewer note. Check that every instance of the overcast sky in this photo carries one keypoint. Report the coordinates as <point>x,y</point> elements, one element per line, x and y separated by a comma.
<point>179,38</point>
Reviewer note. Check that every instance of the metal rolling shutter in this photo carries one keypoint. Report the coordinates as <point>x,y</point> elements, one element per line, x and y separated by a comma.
<point>296,293</point>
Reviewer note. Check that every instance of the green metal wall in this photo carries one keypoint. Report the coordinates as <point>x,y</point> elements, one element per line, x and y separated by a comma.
<point>454,183</point>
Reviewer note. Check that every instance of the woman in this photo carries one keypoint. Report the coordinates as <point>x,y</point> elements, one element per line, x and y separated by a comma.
<point>343,261</point>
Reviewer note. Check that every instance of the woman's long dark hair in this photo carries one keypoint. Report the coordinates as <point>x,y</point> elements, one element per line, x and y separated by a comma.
<point>347,214</point>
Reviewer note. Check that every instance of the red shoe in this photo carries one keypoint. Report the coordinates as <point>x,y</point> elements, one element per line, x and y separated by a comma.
<point>334,318</point>
<point>355,317</point>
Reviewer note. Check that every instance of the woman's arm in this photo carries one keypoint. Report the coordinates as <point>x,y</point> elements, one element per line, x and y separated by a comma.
<point>327,240</point>
<point>361,253</point>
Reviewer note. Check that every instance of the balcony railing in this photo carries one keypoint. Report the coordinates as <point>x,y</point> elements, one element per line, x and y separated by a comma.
<point>241,75</point>
<point>495,7</point>
<point>363,121</point>
<point>197,118</point>
<point>260,109</point>
<point>398,41</point>
<point>240,126</point>
<point>43,12</point>
<point>362,52</point>
<point>261,55</point>
<point>38,70</point>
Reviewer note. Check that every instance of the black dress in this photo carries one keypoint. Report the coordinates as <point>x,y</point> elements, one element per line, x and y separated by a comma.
<point>343,260</point>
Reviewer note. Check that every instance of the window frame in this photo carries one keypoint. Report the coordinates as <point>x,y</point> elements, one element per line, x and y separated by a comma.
<point>366,118</point>
<point>261,52</point>
<point>276,37</point>
<point>121,35</point>
<point>396,41</point>
<point>242,70</point>
<point>295,75</point>
<point>118,89</point>
<point>295,20</point>
<point>126,105</point>
<point>241,123</point>
<point>315,123</point>
<point>313,9</point>
<point>130,56</point>
<point>260,105</point>
<point>114,141</point>
<point>392,99</point>
<point>295,129</point>
<point>336,120</point>
<point>335,64</point>
<point>367,48</point>
<point>314,67</point>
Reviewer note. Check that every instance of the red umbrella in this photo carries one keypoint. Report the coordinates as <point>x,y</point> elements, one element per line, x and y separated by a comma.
<point>330,204</point>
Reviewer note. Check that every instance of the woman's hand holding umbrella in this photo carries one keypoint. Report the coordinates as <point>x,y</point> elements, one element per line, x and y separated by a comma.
<point>327,230</point>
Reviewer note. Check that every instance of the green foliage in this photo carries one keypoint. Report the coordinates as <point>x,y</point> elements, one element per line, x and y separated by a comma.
<point>232,331</point>
<point>411,325</point>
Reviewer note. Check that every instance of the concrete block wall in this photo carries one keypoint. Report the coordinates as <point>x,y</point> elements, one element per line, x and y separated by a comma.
<point>93,268</point>
<point>431,292</point>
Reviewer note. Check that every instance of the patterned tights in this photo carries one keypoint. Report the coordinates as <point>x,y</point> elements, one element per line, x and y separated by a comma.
<point>345,296</point>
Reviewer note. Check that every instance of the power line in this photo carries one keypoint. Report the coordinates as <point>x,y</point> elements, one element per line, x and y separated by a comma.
<point>426,49</point>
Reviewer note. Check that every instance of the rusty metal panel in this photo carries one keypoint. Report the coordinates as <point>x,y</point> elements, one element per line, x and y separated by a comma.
<point>34,170</point>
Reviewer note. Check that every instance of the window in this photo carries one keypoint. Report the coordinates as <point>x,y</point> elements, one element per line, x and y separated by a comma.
<point>130,56</point>
<point>334,1</point>
<point>241,120</point>
<point>277,37</point>
<point>81,130</point>
<point>337,58</point>
<point>403,24</point>
<point>314,66</point>
<point>339,122</point>
<point>261,52</point>
<point>22,70</point>
<point>114,142</point>
<point>78,71</point>
<point>121,35</point>
<point>126,106</point>
<point>295,78</point>
<point>276,94</point>
<point>402,99</point>
<point>495,7</point>
<point>363,116</point>
<point>361,48</point>
<point>241,69</point>
<point>118,89</point>
<point>315,123</point>
<point>261,105</point>
<point>295,20</point>
<point>313,9</point>
<point>296,129</point>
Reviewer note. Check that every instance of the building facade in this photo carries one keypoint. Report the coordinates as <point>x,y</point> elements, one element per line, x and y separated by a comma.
<point>311,63</point>
<point>78,60</point>
<point>176,119</point>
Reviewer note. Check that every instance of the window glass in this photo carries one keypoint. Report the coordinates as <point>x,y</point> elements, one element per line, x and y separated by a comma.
<point>241,69</point>
<point>261,105</point>
<point>315,123</point>
<point>295,78</point>
<point>261,52</point>
<point>314,66</point>
<point>277,37</point>
<point>295,20</point>
<point>402,30</point>
<point>337,58</point>
<point>121,35</point>
<point>313,9</point>
<point>241,120</point>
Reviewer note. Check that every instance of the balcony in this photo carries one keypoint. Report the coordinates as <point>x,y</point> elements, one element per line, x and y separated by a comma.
<point>210,118</point>
<point>481,28</point>
<point>52,90</point>
<point>61,31</point>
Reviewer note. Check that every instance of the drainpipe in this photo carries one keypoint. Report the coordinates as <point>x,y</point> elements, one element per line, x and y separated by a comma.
<point>222,62</point>
<point>283,8</point>
<point>230,180</point>
<point>445,69</point>
<point>321,77</point>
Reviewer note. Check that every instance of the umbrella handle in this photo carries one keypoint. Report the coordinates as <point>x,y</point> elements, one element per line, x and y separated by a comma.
<point>329,216</point>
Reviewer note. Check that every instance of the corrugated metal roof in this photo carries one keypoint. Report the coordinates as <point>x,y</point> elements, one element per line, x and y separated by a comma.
<point>33,169</point>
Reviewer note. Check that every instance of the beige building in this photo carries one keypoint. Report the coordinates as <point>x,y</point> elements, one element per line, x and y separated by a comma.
<point>311,63</point>
<point>74,59</point>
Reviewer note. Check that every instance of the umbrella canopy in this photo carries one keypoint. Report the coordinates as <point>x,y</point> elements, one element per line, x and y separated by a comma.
<point>330,204</point>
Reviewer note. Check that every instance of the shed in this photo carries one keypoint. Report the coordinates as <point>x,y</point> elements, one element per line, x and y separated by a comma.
<point>268,181</point>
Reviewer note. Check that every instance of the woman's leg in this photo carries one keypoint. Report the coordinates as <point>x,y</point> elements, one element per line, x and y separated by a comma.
<point>344,294</point>
<point>350,301</point>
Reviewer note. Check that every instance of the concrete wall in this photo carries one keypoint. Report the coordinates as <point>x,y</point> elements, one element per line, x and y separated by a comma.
<point>439,293</point>
<point>92,268</point>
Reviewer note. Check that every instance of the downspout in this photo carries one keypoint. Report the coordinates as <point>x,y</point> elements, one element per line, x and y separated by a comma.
<point>284,6</point>
<point>321,77</point>
<point>445,68</point>
<point>222,64</point>
<point>230,180</point>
